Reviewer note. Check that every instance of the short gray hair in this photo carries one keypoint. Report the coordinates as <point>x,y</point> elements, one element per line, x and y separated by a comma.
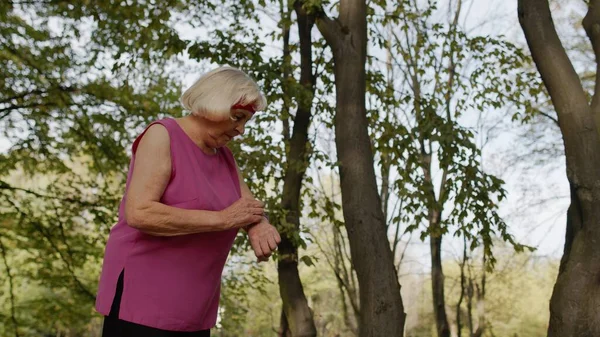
<point>215,92</point>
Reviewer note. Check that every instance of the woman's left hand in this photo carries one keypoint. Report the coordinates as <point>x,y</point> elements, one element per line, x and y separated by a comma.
<point>264,239</point>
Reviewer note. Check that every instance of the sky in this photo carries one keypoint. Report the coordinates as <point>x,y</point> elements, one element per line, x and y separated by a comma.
<point>541,225</point>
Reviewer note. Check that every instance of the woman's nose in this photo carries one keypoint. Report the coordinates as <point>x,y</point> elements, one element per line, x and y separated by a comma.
<point>240,129</point>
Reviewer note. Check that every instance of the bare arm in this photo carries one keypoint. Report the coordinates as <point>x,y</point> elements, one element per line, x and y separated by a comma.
<point>151,174</point>
<point>246,193</point>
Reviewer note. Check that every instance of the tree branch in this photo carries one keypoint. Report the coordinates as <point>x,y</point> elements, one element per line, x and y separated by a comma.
<point>5,186</point>
<point>20,95</point>
<point>553,64</point>
<point>7,110</point>
<point>403,254</point>
<point>339,269</point>
<point>38,92</point>
<point>80,285</point>
<point>578,126</point>
<point>286,70</point>
<point>330,29</point>
<point>553,119</point>
<point>40,228</point>
<point>13,316</point>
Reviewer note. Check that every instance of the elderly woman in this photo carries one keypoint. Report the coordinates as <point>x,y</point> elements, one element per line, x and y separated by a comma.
<point>184,203</point>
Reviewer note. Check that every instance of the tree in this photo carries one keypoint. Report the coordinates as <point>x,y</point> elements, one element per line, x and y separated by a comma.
<point>296,315</point>
<point>381,308</point>
<point>573,306</point>
<point>422,134</point>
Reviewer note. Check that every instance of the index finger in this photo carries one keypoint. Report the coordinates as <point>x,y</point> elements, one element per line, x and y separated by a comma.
<point>256,203</point>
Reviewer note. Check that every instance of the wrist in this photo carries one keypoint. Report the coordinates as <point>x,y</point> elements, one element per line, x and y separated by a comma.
<point>220,221</point>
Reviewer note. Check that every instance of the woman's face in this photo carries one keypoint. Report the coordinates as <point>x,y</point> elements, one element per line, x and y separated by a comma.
<point>220,133</point>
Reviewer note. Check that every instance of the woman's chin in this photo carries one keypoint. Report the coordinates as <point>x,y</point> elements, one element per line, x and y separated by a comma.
<point>225,141</point>
<point>222,143</point>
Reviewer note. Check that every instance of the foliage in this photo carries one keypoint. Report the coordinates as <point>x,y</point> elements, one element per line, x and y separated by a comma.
<point>420,122</point>
<point>75,93</point>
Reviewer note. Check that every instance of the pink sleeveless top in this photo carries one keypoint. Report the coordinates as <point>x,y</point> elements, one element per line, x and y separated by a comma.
<point>173,283</point>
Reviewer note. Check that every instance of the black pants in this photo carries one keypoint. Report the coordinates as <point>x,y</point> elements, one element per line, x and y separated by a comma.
<point>114,327</point>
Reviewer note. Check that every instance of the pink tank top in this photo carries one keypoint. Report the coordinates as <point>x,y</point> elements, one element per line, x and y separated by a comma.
<point>173,283</point>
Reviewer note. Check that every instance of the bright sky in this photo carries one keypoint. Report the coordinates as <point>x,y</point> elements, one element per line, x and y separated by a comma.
<point>536,205</point>
<point>537,198</point>
<point>540,225</point>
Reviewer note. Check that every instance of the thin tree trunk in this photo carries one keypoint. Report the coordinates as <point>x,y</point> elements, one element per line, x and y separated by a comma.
<point>13,316</point>
<point>437,279</point>
<point>480,293</point>
<point>350,325</point>
<point>386,163</point>
<point>576,295</point>
<point>480,297</point>
<point>470,305</point>
<point>298,316</point>
<point>435,205</point>
<point>462,289</point>
<point>345,277</point>
<point>286,68</point>
<point>435,244</point>
<point>382,311</point>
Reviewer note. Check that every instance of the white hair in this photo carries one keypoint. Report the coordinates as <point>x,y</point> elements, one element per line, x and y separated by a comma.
<point>215,92</point>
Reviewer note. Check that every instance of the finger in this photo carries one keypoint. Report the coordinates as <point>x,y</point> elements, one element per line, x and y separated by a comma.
<point>246,202</point>
<point>257,211</point>
<point>272,243</point>
<point>249,219</point>
<point>260,250</point>
<point>256,203</point>
<point>255,218</point>
<point>264,245</point>
<point>256,248</point>
<point>277,237</point>
<point>262,259</point>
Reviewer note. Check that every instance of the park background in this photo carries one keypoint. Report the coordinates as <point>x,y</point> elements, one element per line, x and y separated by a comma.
<point>458,120</point>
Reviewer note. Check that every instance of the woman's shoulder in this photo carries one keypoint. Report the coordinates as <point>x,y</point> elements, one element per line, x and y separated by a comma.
<point>155,135</point>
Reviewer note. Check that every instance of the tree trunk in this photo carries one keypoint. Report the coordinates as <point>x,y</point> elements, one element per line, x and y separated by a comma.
<point>437,286</point>
<point>480,296</point>
<point>435,245</point>
<point>381,308</point>
<point>298,316</point>
<point>463,290</point>
<point>576,296</point>
<point>470,294</point>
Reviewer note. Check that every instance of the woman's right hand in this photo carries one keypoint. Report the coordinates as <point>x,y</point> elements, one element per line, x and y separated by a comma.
<point>242,213</point>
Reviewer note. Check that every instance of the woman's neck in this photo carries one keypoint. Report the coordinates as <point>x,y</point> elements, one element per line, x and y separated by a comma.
<point>196,127</point>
